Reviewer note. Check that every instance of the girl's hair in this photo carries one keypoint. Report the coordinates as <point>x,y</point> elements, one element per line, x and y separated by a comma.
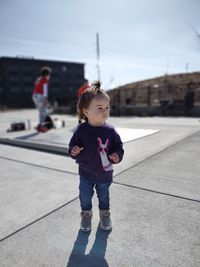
<point>87,96</point>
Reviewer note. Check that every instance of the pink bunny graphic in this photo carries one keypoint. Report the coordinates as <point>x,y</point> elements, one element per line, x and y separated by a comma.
<point>103,149</point>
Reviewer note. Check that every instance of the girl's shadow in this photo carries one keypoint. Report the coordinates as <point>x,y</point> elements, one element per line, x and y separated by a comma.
<point>96,257</point>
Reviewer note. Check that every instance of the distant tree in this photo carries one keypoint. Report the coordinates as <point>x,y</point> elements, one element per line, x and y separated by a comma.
<point>197,33</point>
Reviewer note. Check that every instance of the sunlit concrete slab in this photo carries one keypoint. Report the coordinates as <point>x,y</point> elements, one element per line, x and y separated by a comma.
<point>62,137</point>
<point>173,171</point>
<point>149,229</point>
<point>28,192</point>
<point>131,128</point>
<point>149,122</point>
<point>38,158</point>
<point>155,209</point>
<point>57,140</point>
<point>135,151</point>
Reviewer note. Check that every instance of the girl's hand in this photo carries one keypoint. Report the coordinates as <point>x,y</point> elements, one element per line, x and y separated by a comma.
<point>114,157</point>
<point>76,150</point>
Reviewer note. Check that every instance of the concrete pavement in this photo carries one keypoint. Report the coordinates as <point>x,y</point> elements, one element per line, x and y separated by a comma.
<point>155,201</point>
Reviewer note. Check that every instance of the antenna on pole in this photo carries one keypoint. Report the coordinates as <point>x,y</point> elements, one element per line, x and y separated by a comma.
<point>98,57</point>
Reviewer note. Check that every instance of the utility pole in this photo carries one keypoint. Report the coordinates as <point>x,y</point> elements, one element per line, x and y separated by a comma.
<point>98,57</point>
<point>186,67</point>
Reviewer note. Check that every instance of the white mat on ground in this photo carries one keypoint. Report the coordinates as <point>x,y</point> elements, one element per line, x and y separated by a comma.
<point>128,134</point>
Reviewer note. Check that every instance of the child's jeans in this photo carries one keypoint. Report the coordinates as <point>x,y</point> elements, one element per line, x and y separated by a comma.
<point>86,192</point>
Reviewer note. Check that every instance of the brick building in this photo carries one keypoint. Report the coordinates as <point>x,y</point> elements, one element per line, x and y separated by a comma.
<point>17,77</point>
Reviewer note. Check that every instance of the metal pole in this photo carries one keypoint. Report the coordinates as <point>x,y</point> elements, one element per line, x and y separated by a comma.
<point>98,57</point>
<point>186,67</point>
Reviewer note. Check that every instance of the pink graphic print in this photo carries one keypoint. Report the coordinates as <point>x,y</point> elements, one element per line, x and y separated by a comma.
<point>103,149</point>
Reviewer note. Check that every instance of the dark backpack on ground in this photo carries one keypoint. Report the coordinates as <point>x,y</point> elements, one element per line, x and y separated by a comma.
<point>48,122</point>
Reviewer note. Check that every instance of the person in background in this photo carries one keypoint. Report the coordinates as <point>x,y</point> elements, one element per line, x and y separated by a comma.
<point>83,87</point>
<point>40,96</point>
<point>96,146</point>
<point>189,98</point>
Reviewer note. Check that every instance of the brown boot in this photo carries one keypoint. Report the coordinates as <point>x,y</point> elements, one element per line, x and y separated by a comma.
<point>86,217</point>
<point>105,221</point>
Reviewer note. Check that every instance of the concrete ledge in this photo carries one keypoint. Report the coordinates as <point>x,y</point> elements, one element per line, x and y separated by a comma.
<point>36,146</point>
<point>47,144</point>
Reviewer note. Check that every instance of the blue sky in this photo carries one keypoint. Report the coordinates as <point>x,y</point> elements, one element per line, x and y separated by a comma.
<point>138,39</point>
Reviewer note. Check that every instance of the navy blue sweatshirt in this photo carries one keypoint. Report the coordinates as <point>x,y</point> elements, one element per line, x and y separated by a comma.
<point>97,143</point>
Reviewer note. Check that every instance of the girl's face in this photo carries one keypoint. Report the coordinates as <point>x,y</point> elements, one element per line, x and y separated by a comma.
<point>98,111</point>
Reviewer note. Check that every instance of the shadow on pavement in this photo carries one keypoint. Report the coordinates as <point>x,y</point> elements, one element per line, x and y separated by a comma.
<point>96,256</point>
<point>24,137</point>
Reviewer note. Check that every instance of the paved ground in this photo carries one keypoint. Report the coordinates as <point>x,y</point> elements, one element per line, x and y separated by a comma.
<point>155,201</point>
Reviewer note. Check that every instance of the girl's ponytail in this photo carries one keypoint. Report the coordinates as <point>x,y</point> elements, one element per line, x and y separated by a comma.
<point>96,85</point>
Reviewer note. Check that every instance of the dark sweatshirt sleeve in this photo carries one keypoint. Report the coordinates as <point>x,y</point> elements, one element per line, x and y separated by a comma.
<point>73,142</point>
<point>117,146</point>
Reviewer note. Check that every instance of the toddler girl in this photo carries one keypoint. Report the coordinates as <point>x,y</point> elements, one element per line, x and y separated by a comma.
<point>96,146</point>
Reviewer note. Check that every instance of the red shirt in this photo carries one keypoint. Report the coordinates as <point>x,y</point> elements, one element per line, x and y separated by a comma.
<point>39,85</point>
<point>82,89</point>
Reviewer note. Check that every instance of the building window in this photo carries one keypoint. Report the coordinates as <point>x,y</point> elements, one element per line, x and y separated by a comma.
<point>13,67</point>
<point>55,90</point>
<point>54,80</point>
<point>28,89</point>
<point>14,78</point>
<point>15,89</point>
<point>28,79</point>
